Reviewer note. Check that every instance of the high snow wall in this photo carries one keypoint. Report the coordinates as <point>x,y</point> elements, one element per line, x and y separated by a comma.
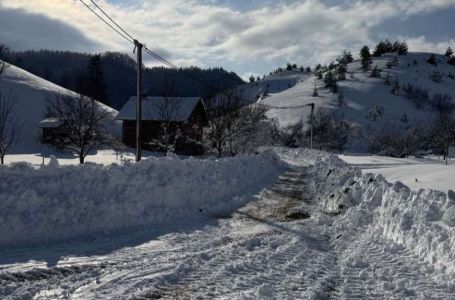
<point>423,221</point>
<point>62,202</point>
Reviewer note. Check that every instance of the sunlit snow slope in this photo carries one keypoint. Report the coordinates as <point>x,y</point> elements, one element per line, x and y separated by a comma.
<point>361,92</point>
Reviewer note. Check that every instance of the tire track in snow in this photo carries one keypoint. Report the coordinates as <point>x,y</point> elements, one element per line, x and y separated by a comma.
<point>287,258</point>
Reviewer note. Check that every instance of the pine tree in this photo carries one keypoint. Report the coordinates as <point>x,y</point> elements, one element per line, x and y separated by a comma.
<point>403,48</point>
<point>341,71</point>
<point>93,84</point>
<point>380,49</point>
<point>366,58</point>
<point>376,73</point>
<point>432,60</point>
<point>449,52</point>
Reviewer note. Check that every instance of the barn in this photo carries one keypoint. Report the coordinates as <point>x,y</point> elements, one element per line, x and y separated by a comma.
<point>180,120</point>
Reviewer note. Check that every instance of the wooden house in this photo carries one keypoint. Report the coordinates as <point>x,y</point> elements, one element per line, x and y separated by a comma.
<point>181,119</point>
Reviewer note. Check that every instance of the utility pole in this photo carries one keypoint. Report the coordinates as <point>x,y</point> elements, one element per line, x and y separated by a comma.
<point>138,46</point>
<point>312,125</point>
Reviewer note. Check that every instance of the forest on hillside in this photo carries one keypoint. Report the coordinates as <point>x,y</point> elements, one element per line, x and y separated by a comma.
<point>67,69</point>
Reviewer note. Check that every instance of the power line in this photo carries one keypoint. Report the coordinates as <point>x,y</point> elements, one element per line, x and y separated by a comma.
<point>158,57</point>
<point>112,20</point>
<point>123,33</point>
<point>107,23</point>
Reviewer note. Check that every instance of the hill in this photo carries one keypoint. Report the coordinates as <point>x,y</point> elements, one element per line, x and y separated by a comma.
<point>363,94</point>
<point>64,68</point>
<point>30,93</point>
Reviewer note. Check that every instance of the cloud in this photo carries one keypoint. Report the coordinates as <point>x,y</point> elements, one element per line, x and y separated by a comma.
<point>208,32</point>
<point>420,44</point>
<point>23,31</point>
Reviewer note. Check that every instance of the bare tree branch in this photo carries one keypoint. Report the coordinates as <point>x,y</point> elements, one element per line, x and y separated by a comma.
<point>82,124</point>
<point>10,128</point>
<point>168,113</point>
<point>3,50</point>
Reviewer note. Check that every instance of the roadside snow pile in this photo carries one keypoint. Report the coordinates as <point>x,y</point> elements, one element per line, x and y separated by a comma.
<point>54,203</point>
<point>422,222</point>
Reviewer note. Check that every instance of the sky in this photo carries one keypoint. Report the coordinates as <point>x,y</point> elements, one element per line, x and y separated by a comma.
<point>249,37</point>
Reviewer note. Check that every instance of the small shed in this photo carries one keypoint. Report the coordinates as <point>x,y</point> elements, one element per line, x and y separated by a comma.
<point>49,129</point>
<point>184,119</point>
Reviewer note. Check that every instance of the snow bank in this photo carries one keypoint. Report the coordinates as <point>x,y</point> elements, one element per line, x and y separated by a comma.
<point>422,222</point>
<point>53,203</point>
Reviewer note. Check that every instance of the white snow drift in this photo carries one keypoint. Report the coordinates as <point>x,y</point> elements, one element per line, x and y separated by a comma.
<point>422,222</point>
<point>53,203</point>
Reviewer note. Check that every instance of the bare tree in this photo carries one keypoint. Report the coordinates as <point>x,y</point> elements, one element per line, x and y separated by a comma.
<point>443,133</point>
<point>249,129</point>
<point>167,110</point>
<point>223,110</point>
<point>82,124</point>
<point>10,128</point>
<point>3,50</point>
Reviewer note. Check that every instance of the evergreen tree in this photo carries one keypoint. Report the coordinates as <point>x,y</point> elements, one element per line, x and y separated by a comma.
<point>366,58</point>
<point>451,60</point>
<point>376,73</point>
<point>432,60</point>
<point>396,47</point>
<point>449,52</point>
<point>345,58</point>
<point>252,78</point>
<point>341,71</point>
<point>403,49</point>
<point>92,83</point>
<point>331,82</point>
<point>388,47</point>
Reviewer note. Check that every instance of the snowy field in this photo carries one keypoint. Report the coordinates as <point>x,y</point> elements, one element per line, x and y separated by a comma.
<point>323,230</point>
<point>101,157</point>
<point>428,173</point>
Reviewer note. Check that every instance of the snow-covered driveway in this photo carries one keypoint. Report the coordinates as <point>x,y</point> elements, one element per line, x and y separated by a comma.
<point>266,250</point>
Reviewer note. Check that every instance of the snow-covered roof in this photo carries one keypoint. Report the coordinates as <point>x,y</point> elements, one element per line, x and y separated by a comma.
<point>152,108</point>
<point>50,123</point>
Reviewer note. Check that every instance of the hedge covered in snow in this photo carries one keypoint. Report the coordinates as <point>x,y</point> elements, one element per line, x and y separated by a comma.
<point>53,203</point>
<point>423,222</point>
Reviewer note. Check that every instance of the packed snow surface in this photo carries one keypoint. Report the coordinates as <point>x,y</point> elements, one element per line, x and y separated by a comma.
<point>416,173</point>
<point>324,230</point>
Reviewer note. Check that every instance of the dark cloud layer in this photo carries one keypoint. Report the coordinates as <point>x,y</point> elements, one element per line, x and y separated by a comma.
<point>22,31</point>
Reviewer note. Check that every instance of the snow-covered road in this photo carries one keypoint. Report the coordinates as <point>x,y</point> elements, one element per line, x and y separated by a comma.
<point>268,249</point>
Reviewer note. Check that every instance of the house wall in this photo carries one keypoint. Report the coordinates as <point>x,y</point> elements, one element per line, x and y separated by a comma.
<point>152,130</point>
<point>189,143</point>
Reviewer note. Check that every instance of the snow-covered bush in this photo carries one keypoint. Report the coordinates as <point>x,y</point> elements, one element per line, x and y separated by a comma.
<point>53,203</point>
<point>397,140</point>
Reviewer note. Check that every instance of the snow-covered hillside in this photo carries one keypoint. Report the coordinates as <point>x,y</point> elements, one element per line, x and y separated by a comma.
<point>31,93</point>
<point>274,83</point>
<point>362,93</point>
